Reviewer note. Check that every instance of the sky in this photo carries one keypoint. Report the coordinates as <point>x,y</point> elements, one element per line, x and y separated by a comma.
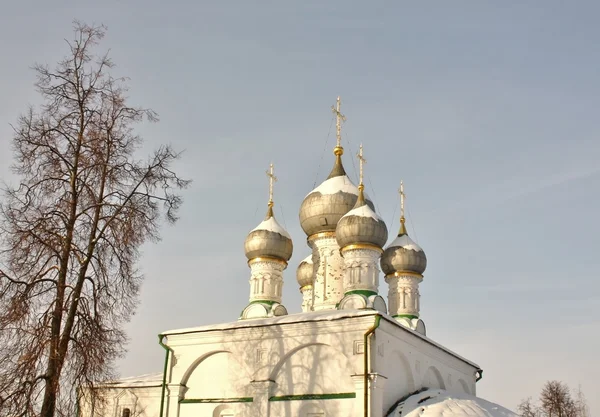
<point>488,111</point>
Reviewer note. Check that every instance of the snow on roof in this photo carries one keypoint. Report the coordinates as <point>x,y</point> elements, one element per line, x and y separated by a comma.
<point>312,316</point>
<point>335,185</point>
<point>406,242</point>
<point>440,403</point>
<point>272,226</point>
<point>308,259</point>
<point>146,380</point>
<point>364,211</point>
<point>324,315</point>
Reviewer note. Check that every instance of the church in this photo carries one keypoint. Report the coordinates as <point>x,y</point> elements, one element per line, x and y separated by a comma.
<point>357,348</point>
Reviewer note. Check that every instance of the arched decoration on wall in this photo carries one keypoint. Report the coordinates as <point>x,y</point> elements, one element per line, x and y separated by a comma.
<point>308,369</point>
<point>433,379</point>
<point>216,375</point>
<point>464,386</point>
<point>224,410</point>
<point>192,367</point>
<point>400,380</point>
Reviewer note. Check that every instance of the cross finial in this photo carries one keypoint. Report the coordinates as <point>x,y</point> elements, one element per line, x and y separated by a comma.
<point>339,118</point>
<point>402,219</point>
<point>272,180</point>
<point>361,161</point>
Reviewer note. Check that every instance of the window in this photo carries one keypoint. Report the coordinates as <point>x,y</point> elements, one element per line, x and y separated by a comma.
<point>126,412</point>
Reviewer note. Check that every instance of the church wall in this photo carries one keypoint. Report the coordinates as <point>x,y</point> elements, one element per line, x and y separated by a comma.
<point>291,369</point>
<point>111,402</point>
<point>409,363</point>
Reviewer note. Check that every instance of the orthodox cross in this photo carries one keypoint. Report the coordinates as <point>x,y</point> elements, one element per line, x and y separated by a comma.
<point>402,219</point>
<point>361,161</point>
<point>402,196</point>
<point>272,180</point>
<point>339,118</point>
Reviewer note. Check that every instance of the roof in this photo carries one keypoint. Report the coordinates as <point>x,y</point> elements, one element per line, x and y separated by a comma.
<point>441,403</point>
<point>313,316</point>
<point>146,380</point>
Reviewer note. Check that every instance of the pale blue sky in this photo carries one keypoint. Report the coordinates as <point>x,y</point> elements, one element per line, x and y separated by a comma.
<point>488,112</point>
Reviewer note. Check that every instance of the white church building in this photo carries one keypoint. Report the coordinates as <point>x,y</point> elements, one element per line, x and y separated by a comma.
<point>358,348</point>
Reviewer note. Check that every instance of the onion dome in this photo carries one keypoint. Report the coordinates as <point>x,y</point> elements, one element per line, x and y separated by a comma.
<point>269,238</point>
<point>361,225</point>
<point>403,255</point>
<point>304,273</point>
<point>324,206</point>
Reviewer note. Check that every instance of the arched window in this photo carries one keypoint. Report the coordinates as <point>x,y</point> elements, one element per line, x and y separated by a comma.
<point>126,412</point>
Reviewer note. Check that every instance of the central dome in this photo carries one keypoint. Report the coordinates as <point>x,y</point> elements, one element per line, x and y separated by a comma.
<point>324,206</point>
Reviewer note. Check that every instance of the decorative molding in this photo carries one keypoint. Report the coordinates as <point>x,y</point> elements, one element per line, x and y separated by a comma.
<point>314,396</point>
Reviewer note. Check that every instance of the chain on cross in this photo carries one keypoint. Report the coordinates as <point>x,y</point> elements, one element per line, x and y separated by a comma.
<point>272,180</point>
<point>339,118</point>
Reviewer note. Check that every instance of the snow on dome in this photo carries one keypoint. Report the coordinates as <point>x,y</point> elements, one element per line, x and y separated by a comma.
<point>272,225</point>
<point>405,242</point>
<point>308,260</point>
<point>440,403</point>
<point>335,185</point>
<point>363,211</point>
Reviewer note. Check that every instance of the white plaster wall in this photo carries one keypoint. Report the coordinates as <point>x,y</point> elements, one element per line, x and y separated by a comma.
<point>238,364</point>
<point>142,401</point>
<point>410,363</point>
<point>308,357</point>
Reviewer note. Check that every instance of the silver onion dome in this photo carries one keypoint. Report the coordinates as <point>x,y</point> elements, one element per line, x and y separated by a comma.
<point>304,273</point>
<point>361,225</point>
<point>324,206</point>
<point>269,239</point>
<point>403,255</point>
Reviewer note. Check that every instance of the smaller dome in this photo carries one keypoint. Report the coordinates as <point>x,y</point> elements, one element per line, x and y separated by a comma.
<point>304,273</point>
<point>361,225</point>
<point>269,239</point>
<point>403,255</point>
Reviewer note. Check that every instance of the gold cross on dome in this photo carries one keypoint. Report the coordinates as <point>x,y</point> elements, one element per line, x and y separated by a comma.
<point>361,161</point>
<point>339,118</point>
<point>402,197</point>
<point>272,180</point>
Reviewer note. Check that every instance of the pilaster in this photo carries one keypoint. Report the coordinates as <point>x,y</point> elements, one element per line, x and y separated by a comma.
<point>262,392</point>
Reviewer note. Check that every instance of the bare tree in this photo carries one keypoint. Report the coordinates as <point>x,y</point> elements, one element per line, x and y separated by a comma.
<point>528,409</point>
<point>71,231</point>
<point>581,404</point>
<point>556,400</point>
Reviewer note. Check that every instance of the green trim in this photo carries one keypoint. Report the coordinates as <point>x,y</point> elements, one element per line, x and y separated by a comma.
<point>366,293</point>
<point>216,400</point>
<point>313,396</point>
<point>268,302</point>
<point>164,381</point>
<point>405,316</point>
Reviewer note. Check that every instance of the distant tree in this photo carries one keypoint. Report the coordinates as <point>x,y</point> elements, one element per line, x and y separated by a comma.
<point>528,409</point>
<point>71,231</point>
<point>581,403</point>
<point>556,400</point>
